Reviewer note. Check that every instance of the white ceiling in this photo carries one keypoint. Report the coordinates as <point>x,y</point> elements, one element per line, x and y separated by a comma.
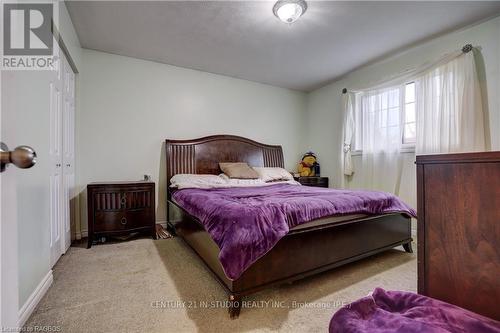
<point>243,39</point>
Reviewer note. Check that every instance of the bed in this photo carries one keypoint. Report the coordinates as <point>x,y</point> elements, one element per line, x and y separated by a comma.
<point>307,249</point>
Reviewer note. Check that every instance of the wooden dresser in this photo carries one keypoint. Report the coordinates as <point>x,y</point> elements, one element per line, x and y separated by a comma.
<point>459,230</point>
<point>116,208</point>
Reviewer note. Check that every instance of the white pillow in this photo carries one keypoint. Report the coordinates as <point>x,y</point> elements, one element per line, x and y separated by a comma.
<point>273,174</point>
<point>236,182</point>
<point>196,181</point>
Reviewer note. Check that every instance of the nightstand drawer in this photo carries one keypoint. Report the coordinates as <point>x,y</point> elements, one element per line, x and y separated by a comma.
<point>121,220</point>
<point>122,200</point>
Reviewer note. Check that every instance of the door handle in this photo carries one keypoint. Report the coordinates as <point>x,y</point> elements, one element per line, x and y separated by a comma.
<point>23,157</point>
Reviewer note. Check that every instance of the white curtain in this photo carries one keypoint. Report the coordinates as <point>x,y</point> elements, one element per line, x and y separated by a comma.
<point>449,108</point>
<point>449,118</point>
<point>348,102</point>
<point>381,138</point>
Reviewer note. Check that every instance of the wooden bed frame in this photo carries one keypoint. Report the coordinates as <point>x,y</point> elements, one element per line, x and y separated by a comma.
<point>300,253</point>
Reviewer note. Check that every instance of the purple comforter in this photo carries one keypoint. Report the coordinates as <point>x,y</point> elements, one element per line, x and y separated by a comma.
<point>246,222</point>
<point>400,311</point>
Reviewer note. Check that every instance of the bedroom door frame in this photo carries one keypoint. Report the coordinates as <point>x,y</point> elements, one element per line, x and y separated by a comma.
<point>9,271</point>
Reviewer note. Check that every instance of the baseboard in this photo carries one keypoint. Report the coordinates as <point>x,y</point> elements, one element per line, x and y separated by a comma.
<point>30,305</point>
<point>162,223</point>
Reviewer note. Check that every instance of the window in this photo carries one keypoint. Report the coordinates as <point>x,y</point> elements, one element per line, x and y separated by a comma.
<point>393,110</point>
<point>409,116</point>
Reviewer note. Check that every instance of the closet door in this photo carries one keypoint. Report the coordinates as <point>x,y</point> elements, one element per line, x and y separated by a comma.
<point>55,152</point>
<point>68,129</point>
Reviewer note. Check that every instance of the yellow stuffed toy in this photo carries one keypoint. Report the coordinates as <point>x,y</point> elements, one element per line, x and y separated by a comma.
<point>309,166</point>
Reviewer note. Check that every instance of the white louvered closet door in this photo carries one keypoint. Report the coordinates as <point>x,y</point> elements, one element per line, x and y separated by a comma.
<point>68,129</point>
<point>56,158</point>
<point>62,154</point>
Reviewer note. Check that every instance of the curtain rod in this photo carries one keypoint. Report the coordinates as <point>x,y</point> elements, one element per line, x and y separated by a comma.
<point>466,49</point>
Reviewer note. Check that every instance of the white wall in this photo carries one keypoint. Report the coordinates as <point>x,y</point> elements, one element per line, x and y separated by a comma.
<point>324,108</point>
<point>130,106</point>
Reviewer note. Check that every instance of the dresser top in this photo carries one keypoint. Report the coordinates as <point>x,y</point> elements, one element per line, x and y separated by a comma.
<point>486,156</point>
<point>139,182</point>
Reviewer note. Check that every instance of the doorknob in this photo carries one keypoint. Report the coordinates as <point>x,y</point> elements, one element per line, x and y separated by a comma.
<point>23,157</point>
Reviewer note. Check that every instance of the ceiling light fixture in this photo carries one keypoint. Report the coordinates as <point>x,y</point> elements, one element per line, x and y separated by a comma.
<point>289,11</point>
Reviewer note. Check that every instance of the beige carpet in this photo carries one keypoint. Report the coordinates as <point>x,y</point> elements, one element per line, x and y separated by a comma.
<point>136,286</point>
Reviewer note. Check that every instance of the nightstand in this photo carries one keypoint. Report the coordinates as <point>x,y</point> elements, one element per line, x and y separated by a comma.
<point>313,181</point>
<point>117,208</point>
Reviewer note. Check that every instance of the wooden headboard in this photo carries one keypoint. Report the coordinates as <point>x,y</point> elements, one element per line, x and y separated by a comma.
<point>202,156</point>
